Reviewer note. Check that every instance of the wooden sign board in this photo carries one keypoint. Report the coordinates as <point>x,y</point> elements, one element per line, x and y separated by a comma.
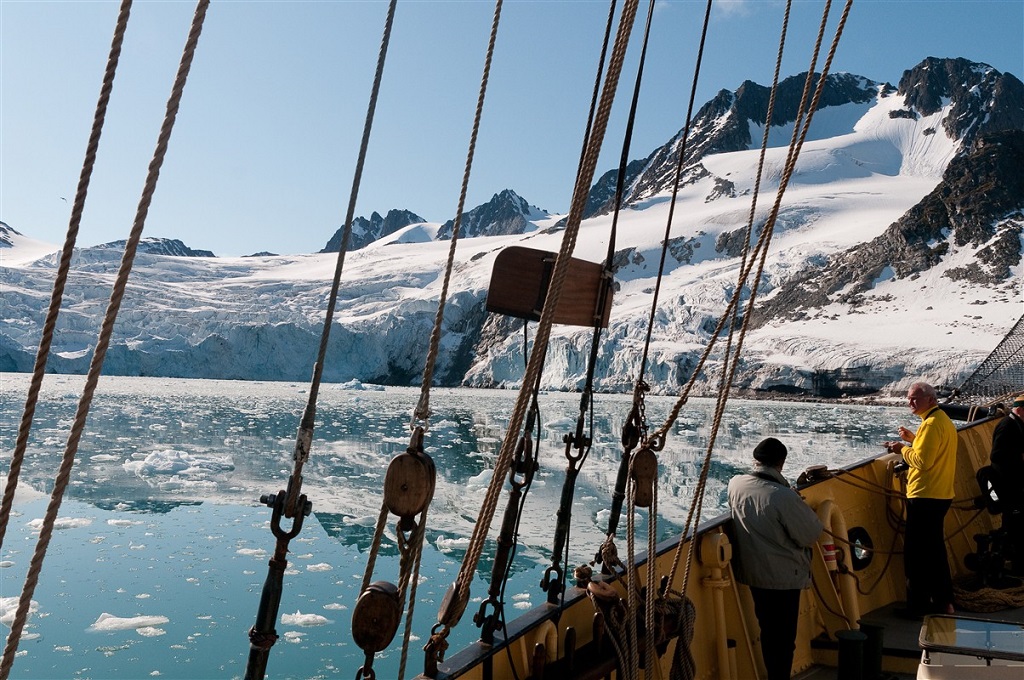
<point>520,280</point>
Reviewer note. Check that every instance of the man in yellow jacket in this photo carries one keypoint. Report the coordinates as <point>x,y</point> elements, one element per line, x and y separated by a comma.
<point>930,454</point>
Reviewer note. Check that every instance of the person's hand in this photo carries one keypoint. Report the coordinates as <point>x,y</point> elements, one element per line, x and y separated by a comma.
<point>906,435</point>
<point>893,447</point>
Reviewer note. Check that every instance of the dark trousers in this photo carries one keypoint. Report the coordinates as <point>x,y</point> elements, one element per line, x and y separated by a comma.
<point>777,612</point>
<point>929,585</point>
<point>1013,525</point>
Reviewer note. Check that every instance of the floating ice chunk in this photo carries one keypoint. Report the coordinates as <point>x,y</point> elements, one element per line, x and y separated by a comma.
<point>322,566</point>
<point>255,552</point>
<point>181,463</point>
<point>61,523</point>
<point>293,636</point>
<point>150,631</point>
<point>108,622</point>
<point>300,619</point>
<point>334,606</point>
<point>123,522</point>
<point>446,545</point>
<point>104,458</point>
<point>5,564</point>
<point>481,480</point>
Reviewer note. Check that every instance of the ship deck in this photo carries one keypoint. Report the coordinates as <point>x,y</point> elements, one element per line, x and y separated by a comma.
<point>901,647</point>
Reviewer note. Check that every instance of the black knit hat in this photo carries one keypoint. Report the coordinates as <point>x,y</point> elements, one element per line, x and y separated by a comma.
<point>770,452</point>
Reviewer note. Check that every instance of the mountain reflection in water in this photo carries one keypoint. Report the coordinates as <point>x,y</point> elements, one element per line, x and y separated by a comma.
<point>162,519</point>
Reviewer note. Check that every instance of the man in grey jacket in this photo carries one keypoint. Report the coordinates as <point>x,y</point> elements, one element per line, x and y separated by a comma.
<point>773,530</point>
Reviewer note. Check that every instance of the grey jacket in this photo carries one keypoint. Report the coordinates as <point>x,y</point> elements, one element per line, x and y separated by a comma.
<point>773,529</point>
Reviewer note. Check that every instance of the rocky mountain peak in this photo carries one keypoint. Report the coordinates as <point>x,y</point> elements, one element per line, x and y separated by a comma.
<point>721,125</point>
<point>506,213</point>
<point>367,230</point>
<point>5,235</point>
<point>152,245</point>
<point>978,206</point>
<point>983,99</point>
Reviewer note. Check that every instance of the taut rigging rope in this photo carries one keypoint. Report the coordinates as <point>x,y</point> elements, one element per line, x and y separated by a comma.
<point>799,135</point>
<point>292,503</point>
<point>456,599</point>
<point>553,581</point>
<point>102,343</point>
<point>57,296</point>
<point>415,455</point>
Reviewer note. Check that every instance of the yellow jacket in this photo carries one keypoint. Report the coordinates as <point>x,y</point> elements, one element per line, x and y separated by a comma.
<point>932,457</point>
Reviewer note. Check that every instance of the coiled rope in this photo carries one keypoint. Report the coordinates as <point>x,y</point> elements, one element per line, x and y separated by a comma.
<point>102,343</point>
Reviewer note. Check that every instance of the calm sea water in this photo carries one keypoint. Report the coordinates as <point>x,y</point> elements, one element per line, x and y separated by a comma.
<point>158,564</point>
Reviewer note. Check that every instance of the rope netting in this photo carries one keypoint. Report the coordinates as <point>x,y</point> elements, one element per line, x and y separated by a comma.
<point>1001,373</point>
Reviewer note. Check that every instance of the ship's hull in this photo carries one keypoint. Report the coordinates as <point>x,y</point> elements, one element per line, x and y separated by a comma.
<point>862,586</point>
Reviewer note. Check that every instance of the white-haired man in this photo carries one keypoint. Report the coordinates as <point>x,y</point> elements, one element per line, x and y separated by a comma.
<point>930,454</point>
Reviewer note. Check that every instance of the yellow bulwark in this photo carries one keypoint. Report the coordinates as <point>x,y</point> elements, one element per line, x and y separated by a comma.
<point>858,584</point>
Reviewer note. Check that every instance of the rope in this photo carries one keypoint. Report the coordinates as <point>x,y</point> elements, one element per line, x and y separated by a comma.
<point>57,296</point>
<point>304,436</point>
<point>422,412</point>
<point>987,599</point>
<point>631,599</point>
<point>294,504</point>
<point>733,303</point>
<point>117,294</point>
<point>1002,371</point>
<point>408,582</point>
<point>762,248</point>
<point>450,615</point>
<point>787,175</point>
<point>675,190</point>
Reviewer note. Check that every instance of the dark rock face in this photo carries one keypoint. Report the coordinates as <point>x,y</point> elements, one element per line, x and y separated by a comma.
<point>505,214</point>
<point>366,231</point>
<point>601,198</point>
<point>5,235</point>
<point>979,203</point>
<point>984,100</point>
<point>159,246</point>
<point>723,125</point>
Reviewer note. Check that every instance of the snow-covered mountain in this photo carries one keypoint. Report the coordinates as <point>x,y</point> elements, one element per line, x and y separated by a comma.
<point>367,230</point>
<point>897,255</point>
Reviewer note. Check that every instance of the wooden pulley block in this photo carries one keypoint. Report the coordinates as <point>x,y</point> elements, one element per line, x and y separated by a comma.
<point>602,592</point>
<point>409,484</point>
<point>376,616</point>
<point>645,472</point>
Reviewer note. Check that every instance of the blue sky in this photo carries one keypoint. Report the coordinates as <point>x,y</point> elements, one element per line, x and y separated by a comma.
<point>265,145</point>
